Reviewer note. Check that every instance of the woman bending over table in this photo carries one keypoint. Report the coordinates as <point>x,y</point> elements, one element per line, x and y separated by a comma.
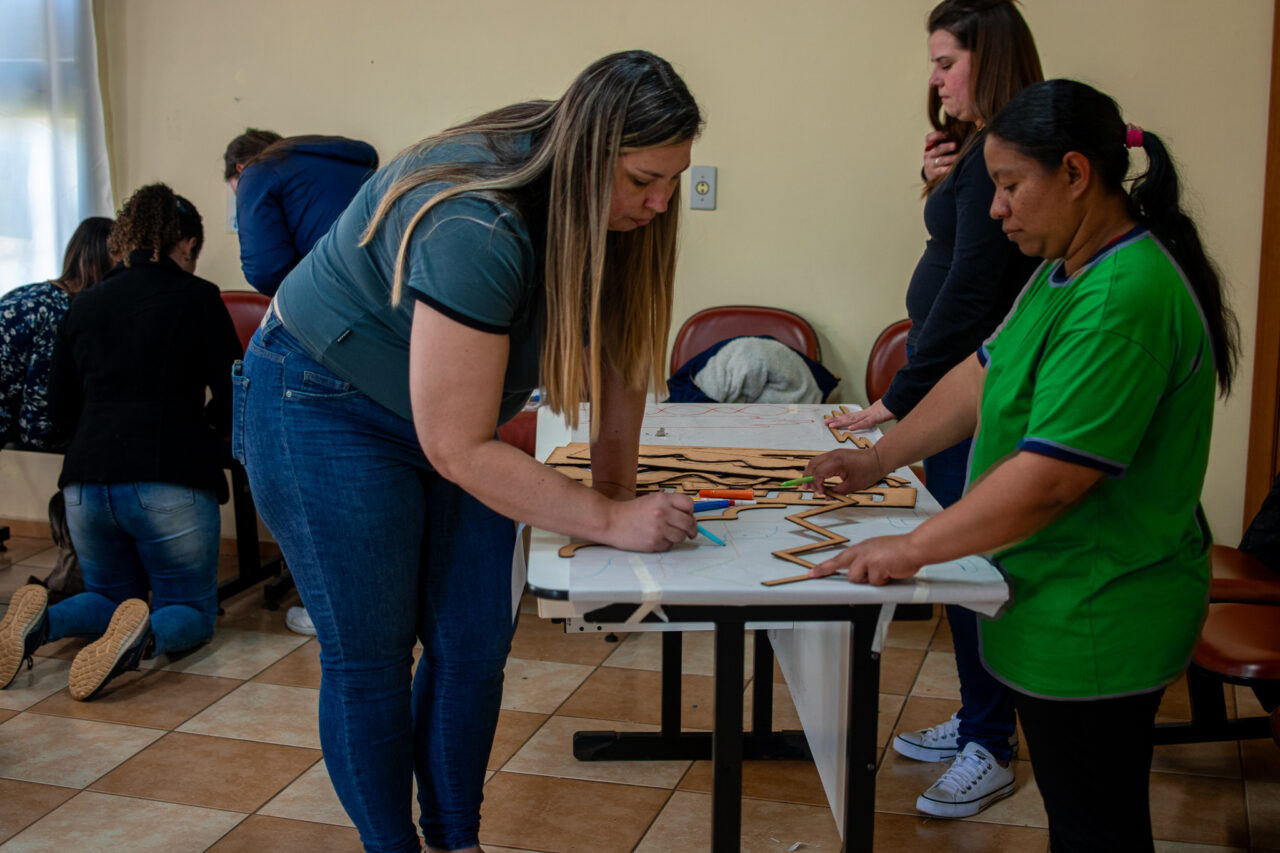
<point>534,245</point>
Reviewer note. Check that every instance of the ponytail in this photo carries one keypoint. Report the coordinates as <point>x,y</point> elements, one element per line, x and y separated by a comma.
<point>1156,202</point>
<point>1046,120</point>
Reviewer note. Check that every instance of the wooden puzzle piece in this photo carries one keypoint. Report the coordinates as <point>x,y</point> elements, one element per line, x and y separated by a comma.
<point>831,538</point>
<point>842,435</point>
<point>572,548</point>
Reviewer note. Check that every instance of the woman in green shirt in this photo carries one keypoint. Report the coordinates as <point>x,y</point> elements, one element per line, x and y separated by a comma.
<point>1091,409</point>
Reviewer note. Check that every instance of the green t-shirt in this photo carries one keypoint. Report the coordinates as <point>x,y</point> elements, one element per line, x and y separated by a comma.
<point>475,259</point>
<point>1111,368</point>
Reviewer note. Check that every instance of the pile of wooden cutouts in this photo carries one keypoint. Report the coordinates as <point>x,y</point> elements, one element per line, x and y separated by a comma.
<point>688,470</point>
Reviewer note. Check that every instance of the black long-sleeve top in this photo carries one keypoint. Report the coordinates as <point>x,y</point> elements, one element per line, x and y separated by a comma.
<point>964,283</point>
<point>134,357</point>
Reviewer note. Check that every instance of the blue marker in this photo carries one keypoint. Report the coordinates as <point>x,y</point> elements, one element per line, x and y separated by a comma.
<point>707,534</point>
<point>702,506</point>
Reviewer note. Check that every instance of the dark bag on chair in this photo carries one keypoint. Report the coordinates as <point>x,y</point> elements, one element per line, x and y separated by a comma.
<point>1262,539</point>
<point>65,580</point>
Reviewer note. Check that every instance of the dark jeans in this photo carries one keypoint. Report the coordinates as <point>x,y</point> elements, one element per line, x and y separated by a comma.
<point>385,551</point>
<point>1092,761</point>
<point>986,705</point>
<point>138,537</point>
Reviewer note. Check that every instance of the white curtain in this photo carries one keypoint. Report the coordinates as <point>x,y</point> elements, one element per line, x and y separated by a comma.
<point>53,151</point>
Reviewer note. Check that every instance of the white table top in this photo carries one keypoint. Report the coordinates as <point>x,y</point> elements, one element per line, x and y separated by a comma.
<point>700,572</point>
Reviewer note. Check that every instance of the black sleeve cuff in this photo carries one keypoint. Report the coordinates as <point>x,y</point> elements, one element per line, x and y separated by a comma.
<point>454,314</point>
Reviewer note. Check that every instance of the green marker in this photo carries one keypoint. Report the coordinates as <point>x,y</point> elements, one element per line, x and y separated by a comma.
<point>797,481</point>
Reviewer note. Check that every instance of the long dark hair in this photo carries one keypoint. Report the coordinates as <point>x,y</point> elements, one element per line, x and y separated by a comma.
<point>1004,62</point>
<point>87,258</point>
<point>190,224</point>
<point>1049,119</point>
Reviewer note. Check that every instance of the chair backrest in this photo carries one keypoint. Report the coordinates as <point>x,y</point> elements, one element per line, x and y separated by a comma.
<point>246,308</point>
<point>712,325</point>
<point>888,354</point>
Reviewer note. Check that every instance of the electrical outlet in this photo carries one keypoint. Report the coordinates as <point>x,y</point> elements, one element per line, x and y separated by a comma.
<point>702,187</point>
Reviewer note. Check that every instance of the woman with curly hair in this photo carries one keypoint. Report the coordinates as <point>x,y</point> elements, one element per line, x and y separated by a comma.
<point>143,475</point>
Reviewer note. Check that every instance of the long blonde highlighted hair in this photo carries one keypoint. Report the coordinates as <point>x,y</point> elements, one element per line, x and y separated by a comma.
<point>611,291</point>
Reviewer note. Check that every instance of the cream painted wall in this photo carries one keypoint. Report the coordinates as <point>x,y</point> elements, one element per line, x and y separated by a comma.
<point>815,121</point>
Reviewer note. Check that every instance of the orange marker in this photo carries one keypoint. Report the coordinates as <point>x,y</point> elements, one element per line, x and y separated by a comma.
<point>731,494</point>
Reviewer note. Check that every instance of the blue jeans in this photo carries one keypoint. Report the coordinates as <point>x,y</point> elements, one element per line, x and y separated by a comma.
<point>131,537</point>
<point>385,551</point>
<point>986,705</point>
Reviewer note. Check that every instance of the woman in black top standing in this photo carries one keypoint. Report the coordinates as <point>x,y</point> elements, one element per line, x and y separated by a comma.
<point>982,55</point>
<point>143,473</point>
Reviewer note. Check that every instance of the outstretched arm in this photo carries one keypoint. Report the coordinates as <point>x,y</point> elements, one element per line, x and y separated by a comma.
<point>948,414</point>
<point>1019,497</point>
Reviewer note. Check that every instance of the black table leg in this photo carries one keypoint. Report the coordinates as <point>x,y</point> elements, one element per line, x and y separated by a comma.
<point>762,686</point>
<point>672,670</point>
<point>672,744</point>
<point>726,749</point>
<point>861,738</point>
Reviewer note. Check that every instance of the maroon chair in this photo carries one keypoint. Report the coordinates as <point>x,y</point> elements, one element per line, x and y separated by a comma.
<point>246,308</point>
<point>1239,644</point>
<point>888,355</point>
<point>712,325</point>
<point>521,431</point>
<point>886,358</point>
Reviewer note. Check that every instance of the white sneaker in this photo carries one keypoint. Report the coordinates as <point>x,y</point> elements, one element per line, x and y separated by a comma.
<point>936,743</point>
<point>973,781</point>
<point>299,621</point>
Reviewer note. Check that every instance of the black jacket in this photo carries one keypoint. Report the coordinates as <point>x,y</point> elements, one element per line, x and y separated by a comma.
<point>133,358</point>
<point>963,285</point>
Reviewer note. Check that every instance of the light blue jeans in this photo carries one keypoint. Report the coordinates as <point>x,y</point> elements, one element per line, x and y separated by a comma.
<point>385,551</point>
<point>135,537</point>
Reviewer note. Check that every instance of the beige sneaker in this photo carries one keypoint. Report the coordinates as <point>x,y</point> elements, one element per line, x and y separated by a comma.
<point>118,650</point>
<point>22,630</point>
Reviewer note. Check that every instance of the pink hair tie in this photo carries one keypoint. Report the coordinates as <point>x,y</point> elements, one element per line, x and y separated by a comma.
<point>1132,136</point>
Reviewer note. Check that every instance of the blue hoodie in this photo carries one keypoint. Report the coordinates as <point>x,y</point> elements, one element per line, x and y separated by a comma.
<point>286,201</point>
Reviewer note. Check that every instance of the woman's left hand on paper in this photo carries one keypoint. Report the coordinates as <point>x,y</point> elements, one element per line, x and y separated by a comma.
<point>875,561</point>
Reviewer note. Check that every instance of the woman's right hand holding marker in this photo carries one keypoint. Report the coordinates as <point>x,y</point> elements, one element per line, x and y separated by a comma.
<point>650,523</point>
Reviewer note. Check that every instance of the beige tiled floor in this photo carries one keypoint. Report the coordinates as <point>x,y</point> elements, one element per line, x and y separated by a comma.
<point>217,750</point>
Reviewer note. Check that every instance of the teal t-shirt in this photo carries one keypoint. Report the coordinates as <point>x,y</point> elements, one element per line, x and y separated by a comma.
<point>474,258</point>
<point>1110,368</point>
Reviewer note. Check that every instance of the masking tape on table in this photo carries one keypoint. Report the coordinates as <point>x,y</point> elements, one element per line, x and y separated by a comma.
<point>919,592</point>
<point>882,626</point>
<point>650,593</point>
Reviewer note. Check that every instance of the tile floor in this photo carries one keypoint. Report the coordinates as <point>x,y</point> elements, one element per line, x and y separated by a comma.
<point>218,751</point>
